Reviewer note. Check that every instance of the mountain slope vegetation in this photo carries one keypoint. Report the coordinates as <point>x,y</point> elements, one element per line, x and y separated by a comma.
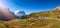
<point>55,13</point>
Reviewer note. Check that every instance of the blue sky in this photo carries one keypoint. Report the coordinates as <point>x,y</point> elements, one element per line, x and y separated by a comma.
<point>30,6</point>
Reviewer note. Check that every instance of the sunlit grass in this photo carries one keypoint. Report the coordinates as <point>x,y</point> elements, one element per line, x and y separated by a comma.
<point>32,23</point>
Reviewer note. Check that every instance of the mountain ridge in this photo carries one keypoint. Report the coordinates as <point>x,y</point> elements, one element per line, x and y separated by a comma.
<point>55,13</point>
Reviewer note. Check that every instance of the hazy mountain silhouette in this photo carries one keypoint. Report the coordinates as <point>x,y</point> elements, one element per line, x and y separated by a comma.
<point>6,14</point>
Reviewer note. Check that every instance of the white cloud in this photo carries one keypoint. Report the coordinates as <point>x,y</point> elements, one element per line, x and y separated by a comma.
<point>17,11</point>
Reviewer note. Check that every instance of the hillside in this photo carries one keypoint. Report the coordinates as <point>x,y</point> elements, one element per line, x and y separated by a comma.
<point>55,13</point>
<point>32,23</point>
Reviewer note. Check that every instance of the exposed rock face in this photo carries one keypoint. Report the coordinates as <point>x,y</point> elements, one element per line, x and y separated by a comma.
<point>5,14</point>
<point>19,13</point>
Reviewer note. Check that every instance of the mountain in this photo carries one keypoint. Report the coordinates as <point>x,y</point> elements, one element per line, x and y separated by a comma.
<point>20,14</point>
<point>6,14</point>
<point>51,14</point>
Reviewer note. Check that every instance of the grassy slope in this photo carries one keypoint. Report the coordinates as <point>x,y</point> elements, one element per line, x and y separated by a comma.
<point>51,14</point>
<point>30,23</point>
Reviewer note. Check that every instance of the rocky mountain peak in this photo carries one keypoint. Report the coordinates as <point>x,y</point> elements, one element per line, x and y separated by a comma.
<point>19,13</point>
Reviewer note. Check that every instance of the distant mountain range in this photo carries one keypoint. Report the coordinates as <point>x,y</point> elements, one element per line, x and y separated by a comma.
<point>6,14</point>
<point>52,14</point>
